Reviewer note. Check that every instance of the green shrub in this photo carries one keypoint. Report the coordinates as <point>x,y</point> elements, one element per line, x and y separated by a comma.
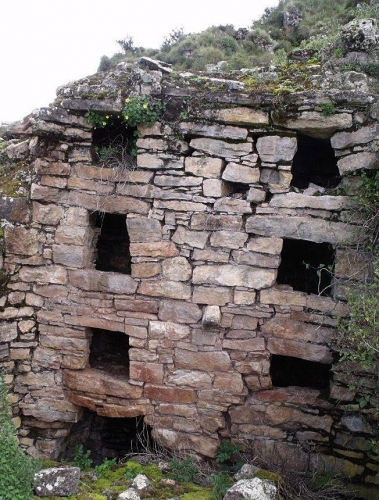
<point>221,483</point>
<point>140,110</point>
<point>16,468</point>
<point>183,471</point>
<point>227,452</point>
<point>82,458</point>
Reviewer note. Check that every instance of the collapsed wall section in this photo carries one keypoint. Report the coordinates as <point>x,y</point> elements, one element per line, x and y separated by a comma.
<point>150,288</point>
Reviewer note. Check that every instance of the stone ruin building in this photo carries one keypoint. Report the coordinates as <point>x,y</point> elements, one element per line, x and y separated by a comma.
<point>181,289</point>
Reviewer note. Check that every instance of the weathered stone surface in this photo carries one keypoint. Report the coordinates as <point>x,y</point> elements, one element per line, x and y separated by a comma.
<point>210,222</point>
<point>179,311</point>
<point>271,246</point>
<point>233,205</point>
<point>253,259</point>
<point>210,295</point>
<point>228,239</point>
<point>211,255</point>
<point>221,148</point>
<point>228,275</point>
<point>71,255</point>
<point>184,236</point>
<point>169,394</point>
<point>252,489</point>
<point>274,148</point>
<point>21,241</point>
<point>213,130</point>
<point>360,35</point>
<point>302,228</point>
<point>8,331</point>
<point>146,269</point>
<point>357,161</point>
<point>209,361</point>
<point>204,166</point>
<point>44,275</point>
<point>47,214</point>
<point>298,349</point>
<point>363,135</point>
<point>255,195</point>
<point>142,485</point>
<point>204,445</point>
<point>316,124</point>
<point>191,378</point>
<point>215,188</point>
<point>239,116</point>
<point>241,174</point>
<point>70,235</point>
<point>298,200</point>
<point>168,330</point>
<point>163,288</point>
<point>291,329</point>
<point>176,269</point>
<point>57,481</point>
<point>177,181</point>
<point>98,382</point>
<point>159,249</point>
<point>93,280</point>
<point>142,229</point>
<point>211,316</point>
<point>129,494</point>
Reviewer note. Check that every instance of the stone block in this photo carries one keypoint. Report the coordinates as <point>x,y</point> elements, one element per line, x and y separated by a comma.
<point>240,174</point>
<point>211,255</point>
<point>316,124</point>
<point>211,316</point>
<point>166,289</point>
<point>243,298</point>
<point>44,275</point>
<point>47,214</point>
<point>273,148</point>
<point>146,372</point>
<point>143,229</point>
<point>232,205</point>
<point>210,222</point>
<point>176,269</point>
<point>21,241</point>
<point>215,188</point>
<point>220,148</point>
<point>146,269</point>
<point>240,116</point>
<point>179,311</point>
<point>299,349</point>
<point>302,228</point>
<point>100,281</point>
<point>228,239</point>
<point>149,161</point>
<point>169,394</point>
<point>168,330</point>
<point>216,296</point>
<point>271,246</point>
<point>342,140</point>
<point>191,378</point>
<point>287,328</point>
<point>213,130</point>
<point>231,382</point>
<point>255,259</point>
<point>180,206</point>
<point>8,331</point>
<point>299,200</point>
<point>204,166</point>
<point>158,249</point>
<point>256,195</point>
<point>175,440</point>
<point>218,361</point>
<point>184,236</point>
<point>283,297</point>
<point>71,255</point>
<point>177,181</point>
<point>229,275</point>
<point>256,344</point>
<point>71,235</point>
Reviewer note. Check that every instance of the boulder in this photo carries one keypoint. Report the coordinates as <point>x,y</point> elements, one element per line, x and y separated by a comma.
<point>252,489</point>
<point>142,485</point>
<point>56,482</point>
<point>129,494</point>
<point>360,35</point>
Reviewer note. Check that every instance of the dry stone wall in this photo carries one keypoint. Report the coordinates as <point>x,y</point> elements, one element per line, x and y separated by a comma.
<point>215,329</point>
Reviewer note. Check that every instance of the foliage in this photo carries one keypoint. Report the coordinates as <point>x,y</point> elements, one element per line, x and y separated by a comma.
<point>328,109</point>
<point>106,465</point>
<point>127,44</point>
<point>97,119</point>
<point>221,483</point>
<point>227,452</point>
<point>16,468</point>
<point>132,470</point>
<point>140,110</point>
<point>175,36</point>
<point>82,458</point>
<point>183,471</point>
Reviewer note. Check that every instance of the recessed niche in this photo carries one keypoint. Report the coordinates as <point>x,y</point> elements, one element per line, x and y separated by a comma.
<point>106,437</point>
<point>315,163</point>
<point>288,371</point>
<point>114,144</point>
<point>113,244</point>
<point>307,266</point>
<point>109,352</point>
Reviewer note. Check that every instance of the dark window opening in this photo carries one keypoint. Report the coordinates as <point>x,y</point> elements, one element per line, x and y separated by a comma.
<point>237,188</point>
<point>307,266</point>
<point>113,245</point>
<point>114,145</point>
<point>315,163</point>
<point>109,352</point>
<point>106,437</point>
<point>287,371</point>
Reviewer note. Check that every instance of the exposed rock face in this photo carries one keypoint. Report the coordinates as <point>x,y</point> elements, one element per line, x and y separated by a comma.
<point>361,35</point>
<point>251,489</point>
<point>186,258</point>
<point>57,482</point>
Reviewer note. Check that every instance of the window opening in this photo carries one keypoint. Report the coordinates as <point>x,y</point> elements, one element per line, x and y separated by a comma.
<point>113,244</point>
<point>114,145</point>
<point>109,352</point>
<point>288,371</point>
<point>307,266</point>
<point>315,163</point>
<point>106,437</point>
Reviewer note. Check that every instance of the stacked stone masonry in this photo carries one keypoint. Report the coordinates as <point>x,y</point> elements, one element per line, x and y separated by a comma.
<point>208,208</point>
